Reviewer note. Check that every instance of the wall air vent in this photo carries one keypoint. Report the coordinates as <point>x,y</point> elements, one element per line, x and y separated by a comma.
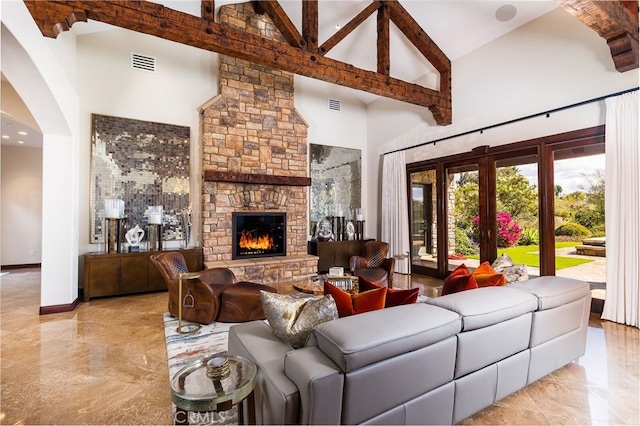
<point>335,105</point>
<point>142,62</point>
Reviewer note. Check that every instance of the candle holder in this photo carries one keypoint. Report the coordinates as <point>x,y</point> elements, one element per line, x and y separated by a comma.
<point>360,229</point>
<point>112,234</point>
<point>188,301</point>
<point>154,234</point>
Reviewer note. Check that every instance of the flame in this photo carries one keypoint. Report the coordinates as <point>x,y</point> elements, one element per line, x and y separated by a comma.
<point>249,242</point>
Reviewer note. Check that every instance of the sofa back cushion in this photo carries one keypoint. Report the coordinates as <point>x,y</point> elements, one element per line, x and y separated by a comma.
<point>359,340</point>
<point>486,306</point>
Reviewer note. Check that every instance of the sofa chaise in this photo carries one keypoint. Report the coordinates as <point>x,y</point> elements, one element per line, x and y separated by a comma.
<point>426,363</point>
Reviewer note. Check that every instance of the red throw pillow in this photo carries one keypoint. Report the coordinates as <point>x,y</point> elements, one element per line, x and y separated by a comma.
<point>486,276</point>
<point>459,280</point>
<point>351,304</point>
<point>395,297</point>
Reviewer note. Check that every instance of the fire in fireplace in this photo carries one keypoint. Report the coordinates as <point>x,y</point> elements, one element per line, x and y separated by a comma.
<point>259,234</point>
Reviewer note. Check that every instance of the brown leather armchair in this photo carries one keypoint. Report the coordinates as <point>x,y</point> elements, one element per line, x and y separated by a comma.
<point>214,295</point>
<point>375,267</point>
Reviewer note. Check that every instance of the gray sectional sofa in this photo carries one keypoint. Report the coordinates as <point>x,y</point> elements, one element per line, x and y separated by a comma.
<point>426,363</point>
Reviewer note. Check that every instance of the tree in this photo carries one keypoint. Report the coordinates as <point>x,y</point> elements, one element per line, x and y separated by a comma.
<point>595,194</point>
<point>466,199</point>
<point>557,191</point>
<point>515,195</point>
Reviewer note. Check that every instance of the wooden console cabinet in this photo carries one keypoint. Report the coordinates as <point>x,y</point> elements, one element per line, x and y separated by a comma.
<point>335,253</point>
<point>113,274</point>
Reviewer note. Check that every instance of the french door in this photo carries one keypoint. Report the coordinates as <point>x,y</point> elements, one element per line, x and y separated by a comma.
<point>468,207</point>
<point>424,220</point>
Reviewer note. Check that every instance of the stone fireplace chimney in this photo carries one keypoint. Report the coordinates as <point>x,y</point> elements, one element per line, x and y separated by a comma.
<point>254,159</point>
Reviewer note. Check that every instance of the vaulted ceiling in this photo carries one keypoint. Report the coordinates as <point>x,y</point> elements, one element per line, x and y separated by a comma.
<point>382,47</point>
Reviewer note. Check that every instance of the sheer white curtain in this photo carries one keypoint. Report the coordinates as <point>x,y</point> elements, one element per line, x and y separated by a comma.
<point>395,216</point>
<point>622,207</point>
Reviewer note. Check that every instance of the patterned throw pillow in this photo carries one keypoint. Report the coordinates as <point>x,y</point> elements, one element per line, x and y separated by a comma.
<point>459,280</point>
<point>292,318</point>
<point>512,272</point>
<point>395,297</point>
<point>502,262</point>
<point>351,304</point>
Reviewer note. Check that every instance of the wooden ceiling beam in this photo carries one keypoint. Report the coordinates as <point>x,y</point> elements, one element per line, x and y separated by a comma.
<point>349,27</point>
<point>159,21</point>
<point>310,24</point>
<point>384,57</point>
<point>421,40</point>
<point>208,9</point>
<point>614,20</point>
<point>281,20</point>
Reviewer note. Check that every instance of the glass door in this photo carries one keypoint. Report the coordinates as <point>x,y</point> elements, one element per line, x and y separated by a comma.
<point>465,228</point>
<point>424,230</point>
<point>579,214</point>
<point>517,214</point>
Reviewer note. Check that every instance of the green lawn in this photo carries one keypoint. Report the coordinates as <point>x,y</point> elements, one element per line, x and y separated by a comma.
<point>528,255</point>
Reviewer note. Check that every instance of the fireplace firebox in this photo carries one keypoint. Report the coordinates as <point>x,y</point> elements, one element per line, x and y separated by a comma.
<point>259,234</point>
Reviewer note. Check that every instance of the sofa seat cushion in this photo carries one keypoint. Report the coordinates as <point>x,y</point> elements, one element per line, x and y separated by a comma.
<point>359,340</point>
<point>375,275</point>
<point>553,291</point>
<point>240,302</point>
<point>486,306</point>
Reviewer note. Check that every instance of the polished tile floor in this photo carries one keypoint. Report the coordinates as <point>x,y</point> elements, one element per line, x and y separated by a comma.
<point>105,363</point>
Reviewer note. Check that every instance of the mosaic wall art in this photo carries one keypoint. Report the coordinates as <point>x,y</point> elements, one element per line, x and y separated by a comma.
<point>144,164</point>
<point>335,179</point>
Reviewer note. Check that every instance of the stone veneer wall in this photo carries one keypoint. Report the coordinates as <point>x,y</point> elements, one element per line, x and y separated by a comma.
<point>252,127</point>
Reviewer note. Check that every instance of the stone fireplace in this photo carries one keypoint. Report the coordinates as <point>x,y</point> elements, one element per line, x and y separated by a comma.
<point>254,160</point>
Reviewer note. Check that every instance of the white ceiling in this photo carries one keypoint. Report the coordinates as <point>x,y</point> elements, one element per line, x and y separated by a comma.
<point>456,26</point>
<point>14,133</point>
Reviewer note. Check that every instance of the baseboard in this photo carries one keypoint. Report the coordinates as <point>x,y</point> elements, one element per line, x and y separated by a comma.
<point>24,266</point>
<point>56,309</point>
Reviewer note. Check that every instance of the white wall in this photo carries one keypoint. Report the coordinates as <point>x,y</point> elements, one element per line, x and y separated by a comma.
<point>346,129</point>
<point>185,78</point>
<point>43,84</point>
<point>551,62</point>
<point>21,205</point>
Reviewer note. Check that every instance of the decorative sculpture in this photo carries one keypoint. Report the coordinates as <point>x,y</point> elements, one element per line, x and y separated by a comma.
<point>134,237</point>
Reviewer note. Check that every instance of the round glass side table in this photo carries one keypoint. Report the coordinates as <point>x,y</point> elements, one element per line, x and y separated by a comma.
<point>193,389</point>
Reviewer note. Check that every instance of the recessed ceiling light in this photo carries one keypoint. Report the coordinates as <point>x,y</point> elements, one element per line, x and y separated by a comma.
<point>22,133</point>
<point>506,13</point>
<point>5,136</point>
<point>20,142</point>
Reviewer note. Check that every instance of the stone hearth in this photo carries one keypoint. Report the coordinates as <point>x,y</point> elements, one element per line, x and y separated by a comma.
<point>252,130</point>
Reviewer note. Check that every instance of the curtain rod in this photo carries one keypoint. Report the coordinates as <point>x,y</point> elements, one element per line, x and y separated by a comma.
<point>515,120</point>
